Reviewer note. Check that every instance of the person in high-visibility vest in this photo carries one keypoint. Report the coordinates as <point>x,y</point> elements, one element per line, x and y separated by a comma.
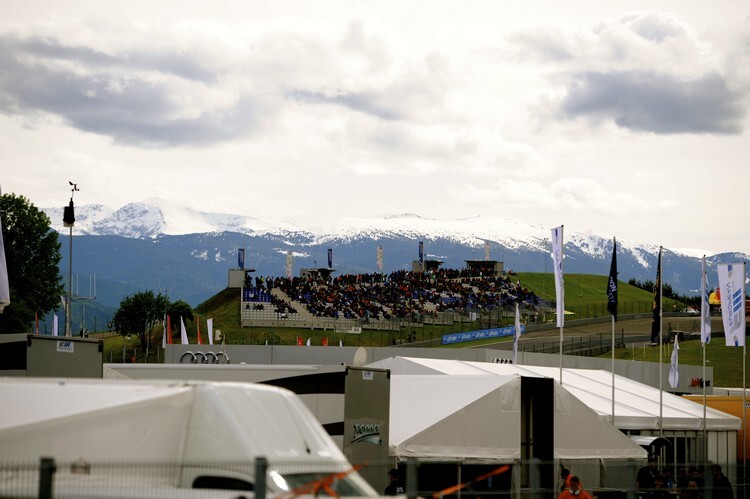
<point>575,491</point>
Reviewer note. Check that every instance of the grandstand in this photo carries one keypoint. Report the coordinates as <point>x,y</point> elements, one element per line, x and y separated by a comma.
<point>382,301</point>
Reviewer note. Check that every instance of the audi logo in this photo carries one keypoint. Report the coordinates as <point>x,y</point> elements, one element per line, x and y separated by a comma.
<point>203,358</point>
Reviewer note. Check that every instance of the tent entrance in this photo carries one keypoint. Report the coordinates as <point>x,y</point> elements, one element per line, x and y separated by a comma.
<point>538,430</point>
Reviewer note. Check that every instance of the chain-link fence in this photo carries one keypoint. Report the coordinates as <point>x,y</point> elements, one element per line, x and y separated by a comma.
<point>605,479</point>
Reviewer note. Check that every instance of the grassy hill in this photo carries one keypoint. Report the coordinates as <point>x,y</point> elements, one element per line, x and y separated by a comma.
<point>585,294</point>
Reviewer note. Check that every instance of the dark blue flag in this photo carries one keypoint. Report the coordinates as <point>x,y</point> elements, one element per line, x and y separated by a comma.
<point>656,321</point>
<point>330,258</point>
<point>612,283</point>
<point>241,258</point>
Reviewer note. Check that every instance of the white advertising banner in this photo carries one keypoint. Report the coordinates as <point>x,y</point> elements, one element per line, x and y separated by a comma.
<point>732,292</point>
<point>557,257</point>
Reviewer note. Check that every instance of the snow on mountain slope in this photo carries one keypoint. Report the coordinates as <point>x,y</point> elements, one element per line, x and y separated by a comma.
<point>155,217</point>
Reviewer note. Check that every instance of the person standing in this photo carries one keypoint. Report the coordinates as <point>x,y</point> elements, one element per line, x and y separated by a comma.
<point>646,478</point>
<point>575,491</point>
<point>396,486</point>
<point>722,488</point>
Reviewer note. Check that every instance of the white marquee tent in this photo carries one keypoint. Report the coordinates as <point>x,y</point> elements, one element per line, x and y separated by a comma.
<point>477,418</point>
<point>636,404</point>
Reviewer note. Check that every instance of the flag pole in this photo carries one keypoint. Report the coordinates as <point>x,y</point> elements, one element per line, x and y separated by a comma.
<point>613,369</point>
<point>612,309</point>
<point>705,338</point>
<point>661,348</point>
<point>744,394</point>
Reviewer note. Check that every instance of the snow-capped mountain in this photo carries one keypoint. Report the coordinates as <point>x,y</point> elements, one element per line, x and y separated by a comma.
<point>156,245</point>
<point>155,218</point>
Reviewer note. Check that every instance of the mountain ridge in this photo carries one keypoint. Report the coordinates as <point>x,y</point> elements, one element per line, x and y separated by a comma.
<point>156,245</point>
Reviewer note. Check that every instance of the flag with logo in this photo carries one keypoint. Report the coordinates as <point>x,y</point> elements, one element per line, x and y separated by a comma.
<point>164,335</point>
<point>210,328</point>
<point>612,283</point>
<point>241,258</point>
<point>656,312</point>
<point>300,341</point>
<point>169,330</point>
<point>674,370</point>
<point>421,252</point>
<point>183,332</point>
<point>557,258</point>
<point>4,282</point>
<point>379,257</point>
<point>732,286</point>
<point>324,342</point>
<point>330,258</point>
<point>55,325</point>
<point>705,309</point>
<point>516,333</point>
<point>289,264</point>
<point>486,251</point>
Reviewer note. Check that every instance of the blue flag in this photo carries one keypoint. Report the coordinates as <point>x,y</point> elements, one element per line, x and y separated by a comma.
<point>612,283</point>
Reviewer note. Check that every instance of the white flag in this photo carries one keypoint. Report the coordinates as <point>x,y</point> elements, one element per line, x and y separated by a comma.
<point>54,325</point>
<point>4,283</point>
<point>517,334</point>
<point>164,336</point>
<point>289,264</point>
<point>705,310</point>
<point>308,341</point>
<point>210,327</point>
<point>674,370</point>
<point>341,343</point>
<point>183,332</point>
<point>557,257</point>
<point>732,292</point>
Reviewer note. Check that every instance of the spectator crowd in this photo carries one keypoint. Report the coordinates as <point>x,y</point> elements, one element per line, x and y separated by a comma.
<point>397,295</point>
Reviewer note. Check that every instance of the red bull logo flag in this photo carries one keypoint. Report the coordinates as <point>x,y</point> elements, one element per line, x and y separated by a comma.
<point>732,286</point>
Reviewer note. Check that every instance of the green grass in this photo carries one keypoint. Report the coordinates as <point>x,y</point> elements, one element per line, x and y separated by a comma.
<point>585,294</point>
<point>726,361</point>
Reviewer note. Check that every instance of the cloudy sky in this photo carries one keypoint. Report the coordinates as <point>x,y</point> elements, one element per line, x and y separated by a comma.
<point>623,118</point>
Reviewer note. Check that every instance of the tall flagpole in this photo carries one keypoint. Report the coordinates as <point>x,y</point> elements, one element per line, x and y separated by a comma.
<point>744,394</point>
<point>613,369</point>
<point>557,256</point>
<point>705,338</point>
<point>661,347</point>
<point>612,309</point>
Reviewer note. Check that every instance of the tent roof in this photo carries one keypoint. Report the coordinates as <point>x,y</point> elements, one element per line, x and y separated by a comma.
<point>473,418</point>
<point>168,421</point>
<point>477,418</point>
<point>636,404</point>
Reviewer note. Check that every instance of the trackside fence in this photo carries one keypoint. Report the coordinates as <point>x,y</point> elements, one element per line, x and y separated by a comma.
<point>517,479</point>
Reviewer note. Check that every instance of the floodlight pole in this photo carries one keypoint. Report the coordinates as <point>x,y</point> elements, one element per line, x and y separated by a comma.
<point>68,221</point>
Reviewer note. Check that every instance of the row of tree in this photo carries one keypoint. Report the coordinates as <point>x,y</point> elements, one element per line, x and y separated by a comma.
<point>666,291</point>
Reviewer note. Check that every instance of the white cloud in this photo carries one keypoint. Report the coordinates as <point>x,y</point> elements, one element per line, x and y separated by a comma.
<point>293,109</point>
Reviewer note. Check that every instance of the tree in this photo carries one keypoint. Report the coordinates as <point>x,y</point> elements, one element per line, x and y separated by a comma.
<point>180,309</point>
<point>32,253</point>
<point>139,313</point>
